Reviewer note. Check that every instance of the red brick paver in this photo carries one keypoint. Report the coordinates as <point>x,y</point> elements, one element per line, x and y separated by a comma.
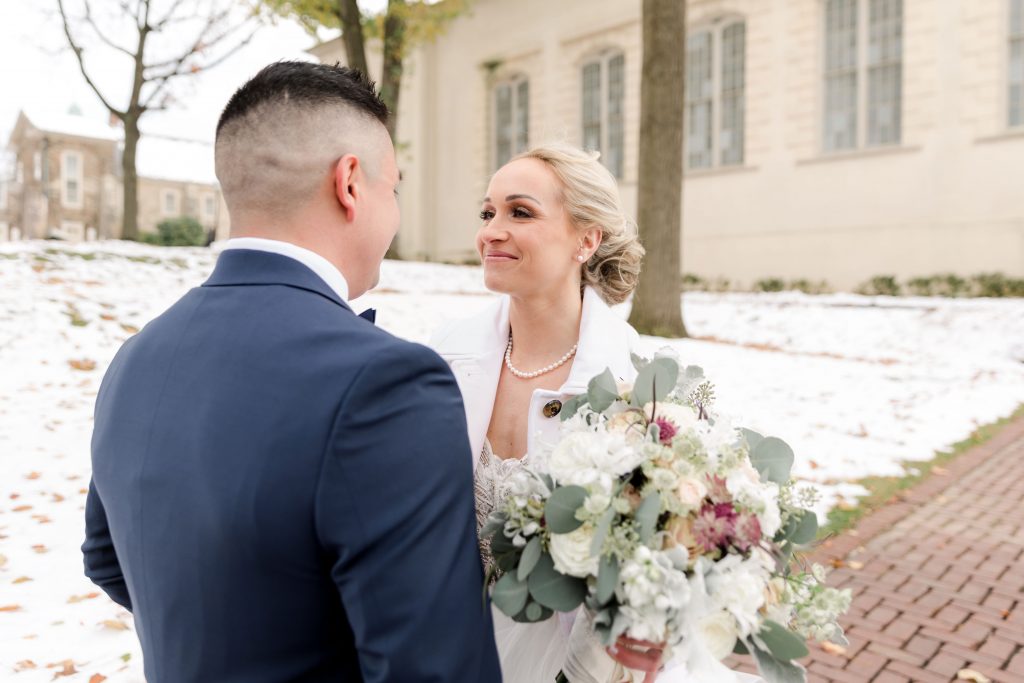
<point>939,583</point>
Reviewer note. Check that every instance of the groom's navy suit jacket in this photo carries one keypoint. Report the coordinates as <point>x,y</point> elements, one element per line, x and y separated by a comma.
<point>283,492</point>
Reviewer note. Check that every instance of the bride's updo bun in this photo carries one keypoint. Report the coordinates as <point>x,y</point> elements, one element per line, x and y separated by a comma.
<point>591,196</point>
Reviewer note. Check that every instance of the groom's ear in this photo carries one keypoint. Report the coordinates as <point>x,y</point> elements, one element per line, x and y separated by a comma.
<point>347,174</point>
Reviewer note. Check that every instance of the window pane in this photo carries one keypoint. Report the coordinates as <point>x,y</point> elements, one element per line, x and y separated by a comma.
<point>840,124</point>
<point>71,191</point>
<point>1017,17</point>
<point>885,71</point>
<point>502,124</point>
<point>592,106</point>
<point>522,116</point>
<point>730,139</point>
<point>698,100</point>
<point>615,155</point>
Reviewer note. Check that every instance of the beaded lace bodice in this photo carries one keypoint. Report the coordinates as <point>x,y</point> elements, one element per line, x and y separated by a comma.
<point>490,487</point>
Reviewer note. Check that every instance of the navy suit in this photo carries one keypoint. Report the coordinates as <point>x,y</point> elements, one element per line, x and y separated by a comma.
<point>283,492</point>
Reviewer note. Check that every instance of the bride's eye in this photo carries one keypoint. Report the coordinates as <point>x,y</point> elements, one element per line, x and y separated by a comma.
<point>520,212</point>
<point>486,215</point>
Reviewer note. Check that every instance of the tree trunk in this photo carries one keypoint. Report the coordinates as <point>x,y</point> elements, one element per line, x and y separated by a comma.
<point>394,54</point>
<point>657,302</point>
<point>130,216</point>
<point>352,34</point>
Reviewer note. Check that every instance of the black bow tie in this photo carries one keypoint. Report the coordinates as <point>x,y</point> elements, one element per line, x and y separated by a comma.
<point>369,314</point>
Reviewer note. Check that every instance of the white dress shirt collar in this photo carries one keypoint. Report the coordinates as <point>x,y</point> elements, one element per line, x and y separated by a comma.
<point>315,262</point>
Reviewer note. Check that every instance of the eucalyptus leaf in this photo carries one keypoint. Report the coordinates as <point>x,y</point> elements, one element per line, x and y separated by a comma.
<point>553,589</point>
<point>495,523</point>
<point>510,594</point>
<point>639,362</point>
<point>506,562</point>
<point>776,671</point>
<point>602,391</point>
<point>534,611</point>
<point>647,515</point>
<point>560,510</point>
<point>528,560</point>
<point>806,528</point>
<point>607,578</point>
<point>773,459</point>
<point>604,526</point>
<point>752,437</point>
<point>783,643</point>
<point>502,544</point>
<point>572,406</point>
<point>655,381</point>
<point>740,648</point>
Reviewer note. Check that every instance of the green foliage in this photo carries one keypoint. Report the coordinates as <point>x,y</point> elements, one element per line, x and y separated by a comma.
<point>183,231</point>
<point>880,285</point>
<point>773,459</point>
<point>553,589</point>
<point>560,509</point>
<point>655,380</point>
<point>771,284</point>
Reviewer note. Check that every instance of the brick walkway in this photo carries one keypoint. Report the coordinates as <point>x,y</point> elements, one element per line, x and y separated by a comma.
<point>937,577</point>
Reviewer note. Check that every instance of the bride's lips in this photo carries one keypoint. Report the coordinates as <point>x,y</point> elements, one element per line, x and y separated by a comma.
<point>499,257</point>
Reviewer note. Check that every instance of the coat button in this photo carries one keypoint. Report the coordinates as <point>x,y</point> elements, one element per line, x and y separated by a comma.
<point>552,408</point>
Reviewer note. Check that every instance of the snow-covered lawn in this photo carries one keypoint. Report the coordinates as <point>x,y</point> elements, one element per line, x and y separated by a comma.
<point>856,385</point>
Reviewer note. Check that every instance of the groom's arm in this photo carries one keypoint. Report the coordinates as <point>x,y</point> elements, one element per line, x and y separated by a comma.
<point>395,513</point>
<point>101,565</point>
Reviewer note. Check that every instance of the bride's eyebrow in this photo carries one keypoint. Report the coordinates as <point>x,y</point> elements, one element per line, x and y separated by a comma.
<point>513,197</point>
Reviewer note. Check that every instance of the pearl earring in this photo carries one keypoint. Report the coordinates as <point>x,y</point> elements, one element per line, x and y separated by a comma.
<point>580,258</point>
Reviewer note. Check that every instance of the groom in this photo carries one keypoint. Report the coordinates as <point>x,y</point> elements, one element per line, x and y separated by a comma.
<point>281,491</point>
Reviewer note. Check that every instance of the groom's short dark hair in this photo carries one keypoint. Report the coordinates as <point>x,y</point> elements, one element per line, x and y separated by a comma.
<point>305,84</point>
<point>282,132</point>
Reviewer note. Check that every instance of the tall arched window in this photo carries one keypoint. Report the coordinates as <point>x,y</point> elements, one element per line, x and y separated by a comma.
<point>715,87</point>
<point>511,119</point>
<point>863,73</point>
<point>604,92</point>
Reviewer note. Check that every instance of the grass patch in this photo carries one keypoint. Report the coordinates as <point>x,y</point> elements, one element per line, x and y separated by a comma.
<point>144,259</point>
<point>85,256</point>
<point>75,316</point>
<point>884,489</point>
<point>9,257</point>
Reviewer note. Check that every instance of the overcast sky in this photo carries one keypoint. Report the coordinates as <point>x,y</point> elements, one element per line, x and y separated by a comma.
<point>37,70</point>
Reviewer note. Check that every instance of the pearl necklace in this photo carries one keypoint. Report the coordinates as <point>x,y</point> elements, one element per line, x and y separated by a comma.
<point>536,373</point>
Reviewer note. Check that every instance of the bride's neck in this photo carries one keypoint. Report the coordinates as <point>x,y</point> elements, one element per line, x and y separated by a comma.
<point>545,326</point>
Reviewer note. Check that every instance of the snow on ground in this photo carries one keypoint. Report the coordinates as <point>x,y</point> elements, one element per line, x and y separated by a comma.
<point>855,384</point>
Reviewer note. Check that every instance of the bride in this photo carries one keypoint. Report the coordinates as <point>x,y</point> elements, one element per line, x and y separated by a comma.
<point>555,242</point>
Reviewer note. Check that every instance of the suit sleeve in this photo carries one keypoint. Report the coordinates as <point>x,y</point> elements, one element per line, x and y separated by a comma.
<point>395,515</point>
<point>101,565</point>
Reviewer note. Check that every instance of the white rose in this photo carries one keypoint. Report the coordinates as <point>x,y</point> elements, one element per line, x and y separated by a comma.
<point>738,586</point>
<point>596,503</point>
<point>615,454</point>
<point>691,491</point>
<point>571,457</point>
<point>571,552</point>
<point>719,633</point>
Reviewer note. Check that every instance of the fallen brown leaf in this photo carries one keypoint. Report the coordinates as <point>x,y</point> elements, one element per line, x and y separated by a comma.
<point>24,665</point>
<point>67,668</point>
<point>833,649</point>
<point>33,475</point>
<point>40,548</point>
<point>10,608</point>
<point>130,329</point>
<point>97,678</point>
<point>3,560</point>
<point>21,579</point>
<point>57,498</point>
<point>972,675</point>
<point>107,316</point>
<point>82,364</point>
<point>21,508</point>
<point>114,625</point>
<point>79,598</point>
<point>853,564</point>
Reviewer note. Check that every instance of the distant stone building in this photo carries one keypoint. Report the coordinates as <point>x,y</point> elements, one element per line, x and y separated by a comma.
<point>825,139</point>
<point>61,178</point>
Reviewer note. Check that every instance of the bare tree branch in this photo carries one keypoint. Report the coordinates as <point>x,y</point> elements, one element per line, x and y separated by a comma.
<point>169,16</point>
<point>102,36</point>
<point>81,63</point>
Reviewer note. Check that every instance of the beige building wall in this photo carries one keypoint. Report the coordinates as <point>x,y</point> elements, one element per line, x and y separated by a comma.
<point>160,200</point>
<point>949,197</point>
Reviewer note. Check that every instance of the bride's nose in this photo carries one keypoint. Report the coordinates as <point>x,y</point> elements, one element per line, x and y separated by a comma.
<point>493,232</point>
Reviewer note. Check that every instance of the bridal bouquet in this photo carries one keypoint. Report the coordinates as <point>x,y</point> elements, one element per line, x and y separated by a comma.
<point>670,524</point>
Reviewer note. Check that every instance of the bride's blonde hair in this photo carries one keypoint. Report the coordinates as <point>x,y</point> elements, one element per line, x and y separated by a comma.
<point>591,196</point>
